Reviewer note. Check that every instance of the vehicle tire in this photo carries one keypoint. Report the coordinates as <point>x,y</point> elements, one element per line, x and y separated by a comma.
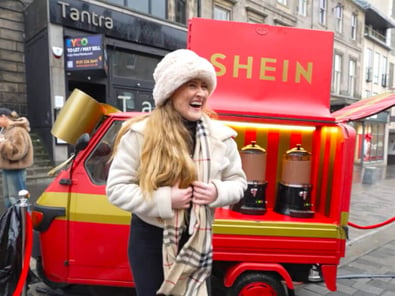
<point>257,284</point>
<point>41,274</point>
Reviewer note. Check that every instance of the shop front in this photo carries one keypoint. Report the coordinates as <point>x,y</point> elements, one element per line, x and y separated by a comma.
<point>371,138</point>
<point>106,51</point>
<point>373,141</point>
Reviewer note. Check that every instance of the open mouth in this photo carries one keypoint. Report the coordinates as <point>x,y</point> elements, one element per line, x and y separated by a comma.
<point>196,104</point>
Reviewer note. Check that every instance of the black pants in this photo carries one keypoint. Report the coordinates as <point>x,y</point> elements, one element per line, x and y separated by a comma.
<point>145,256</point>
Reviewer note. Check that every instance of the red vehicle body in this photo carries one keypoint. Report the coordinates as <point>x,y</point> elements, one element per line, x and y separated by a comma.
<point>272,90</point>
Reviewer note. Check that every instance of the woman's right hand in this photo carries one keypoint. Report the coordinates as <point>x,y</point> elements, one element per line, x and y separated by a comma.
<point>181,198</point>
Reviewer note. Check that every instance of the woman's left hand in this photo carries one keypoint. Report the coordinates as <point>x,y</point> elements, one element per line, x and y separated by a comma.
<point>204,193</point>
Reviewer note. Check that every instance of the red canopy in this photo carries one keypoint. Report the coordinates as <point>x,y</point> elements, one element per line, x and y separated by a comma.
<point>365,107</point>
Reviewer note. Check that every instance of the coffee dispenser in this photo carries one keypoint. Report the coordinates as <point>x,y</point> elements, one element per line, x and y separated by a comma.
<point>253,158</point>
<point>294,189</point>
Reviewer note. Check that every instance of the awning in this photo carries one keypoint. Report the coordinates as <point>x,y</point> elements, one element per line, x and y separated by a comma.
<point>365,107</point>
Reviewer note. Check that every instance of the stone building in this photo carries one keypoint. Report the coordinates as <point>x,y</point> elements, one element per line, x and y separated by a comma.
<point>36,77</point>
<point>12,56</point>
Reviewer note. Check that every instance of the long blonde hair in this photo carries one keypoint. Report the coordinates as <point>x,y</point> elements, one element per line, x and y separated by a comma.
<point>165,157</point>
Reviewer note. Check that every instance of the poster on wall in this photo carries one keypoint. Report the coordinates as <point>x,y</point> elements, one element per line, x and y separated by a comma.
<point>85,53</point>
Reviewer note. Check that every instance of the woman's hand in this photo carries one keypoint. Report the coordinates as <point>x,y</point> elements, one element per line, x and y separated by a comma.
<point>204,193</point>
<point>181,198</point>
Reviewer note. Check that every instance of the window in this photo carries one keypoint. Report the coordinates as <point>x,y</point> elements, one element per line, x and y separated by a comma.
<point>156,8</point>
<point>221,13</point>
<point>97,164</point>
<point>117,2</point>
<point>339,17</point>
<point>354,22</point>
<point>323,4</point>
<point>337,69</point>
<point>374,141</point>
<point>255,18</point>
<point>351,77</point>
<point>302,7</point>
<point>131,65</point>
<point>376,67</point>
<point>383,70</point>
<point>180,13</point>
<point>368,65</point>
<point>390,78</point>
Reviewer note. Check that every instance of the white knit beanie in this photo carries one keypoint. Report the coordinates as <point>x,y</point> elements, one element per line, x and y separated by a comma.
<point>177,68</point>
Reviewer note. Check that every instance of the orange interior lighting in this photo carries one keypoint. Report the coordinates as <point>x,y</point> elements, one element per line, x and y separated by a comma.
<point>270,126</point>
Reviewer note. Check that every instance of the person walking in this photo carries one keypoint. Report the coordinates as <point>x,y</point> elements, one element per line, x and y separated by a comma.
<point>171,169</point>
<point>16,153</point>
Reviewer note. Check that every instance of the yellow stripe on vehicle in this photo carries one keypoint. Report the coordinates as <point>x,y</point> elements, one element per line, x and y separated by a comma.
<point>276,228</point>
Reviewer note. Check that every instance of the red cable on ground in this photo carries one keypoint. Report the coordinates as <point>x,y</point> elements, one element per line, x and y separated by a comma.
<point>372,226</point>
<point>28,253</point>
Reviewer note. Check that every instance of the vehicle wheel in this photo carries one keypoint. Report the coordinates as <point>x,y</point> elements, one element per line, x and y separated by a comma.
<point>40,272</point>
<point>257,284</point>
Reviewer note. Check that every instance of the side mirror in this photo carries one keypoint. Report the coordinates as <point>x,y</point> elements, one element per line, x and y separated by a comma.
<point>82,142</point>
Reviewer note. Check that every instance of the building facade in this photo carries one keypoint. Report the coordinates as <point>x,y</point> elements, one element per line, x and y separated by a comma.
<point>42,62</point>
<point>12,56</point>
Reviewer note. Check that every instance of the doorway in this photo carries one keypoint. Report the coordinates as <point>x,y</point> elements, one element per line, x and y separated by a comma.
<point>95,90</point>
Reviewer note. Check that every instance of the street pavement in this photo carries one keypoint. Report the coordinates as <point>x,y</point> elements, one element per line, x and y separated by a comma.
<point>368,269</point>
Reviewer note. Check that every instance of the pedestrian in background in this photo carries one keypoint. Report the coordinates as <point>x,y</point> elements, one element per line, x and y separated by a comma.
<point>16,153</point>
<point>170,169</point>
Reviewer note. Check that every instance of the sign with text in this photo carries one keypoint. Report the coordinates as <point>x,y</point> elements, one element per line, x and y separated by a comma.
<point>264,70</point>
<point>85,53</point>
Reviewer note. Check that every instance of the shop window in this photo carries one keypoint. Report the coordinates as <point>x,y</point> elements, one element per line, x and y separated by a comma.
<point>134,100</point>
<point>98,162</point>
<point>374,142</point>
<point>132,65</point>
<point>371,138</point>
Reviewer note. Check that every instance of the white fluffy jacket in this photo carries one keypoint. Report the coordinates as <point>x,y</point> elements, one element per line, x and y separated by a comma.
<point>122,185</point>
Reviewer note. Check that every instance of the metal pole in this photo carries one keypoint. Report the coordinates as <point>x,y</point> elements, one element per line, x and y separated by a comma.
<point>23,204</point>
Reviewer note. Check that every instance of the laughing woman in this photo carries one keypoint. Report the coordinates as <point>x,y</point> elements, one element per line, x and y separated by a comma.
<point>171,169</point>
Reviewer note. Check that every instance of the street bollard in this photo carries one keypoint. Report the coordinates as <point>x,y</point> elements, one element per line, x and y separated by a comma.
<point>24,205</point>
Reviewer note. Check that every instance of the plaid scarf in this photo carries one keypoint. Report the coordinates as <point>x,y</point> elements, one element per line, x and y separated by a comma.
<point>186,270</point>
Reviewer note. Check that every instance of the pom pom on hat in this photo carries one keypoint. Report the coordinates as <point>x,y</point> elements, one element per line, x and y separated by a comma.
<point>177,68</point>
